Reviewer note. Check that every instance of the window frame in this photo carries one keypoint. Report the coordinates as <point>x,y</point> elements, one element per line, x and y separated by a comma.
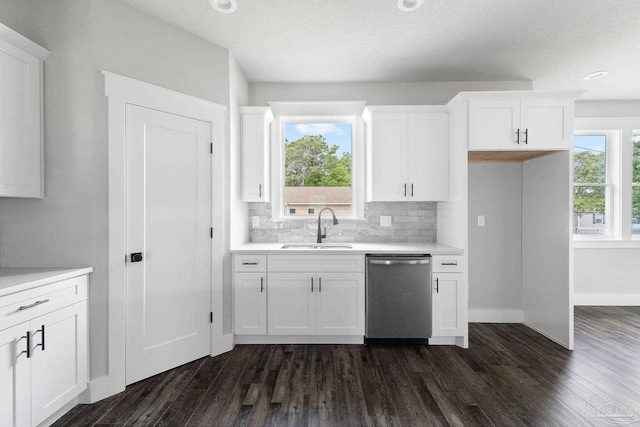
<point>308,113</point>
<point>620,151</point>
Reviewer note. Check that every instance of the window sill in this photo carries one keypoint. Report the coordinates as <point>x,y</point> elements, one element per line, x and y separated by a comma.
<point>606,244</point>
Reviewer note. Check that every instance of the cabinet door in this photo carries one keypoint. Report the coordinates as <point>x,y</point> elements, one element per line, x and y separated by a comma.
<point>255,135</point>
<point>340,304</point>
<point>250,303</point>
<point>428,157</point>
<point>292,303</point>
<point>548,124</point>
<point>15,405</point>
<point>58,360</point>
<point>448,315</point>
<point>21,126</point>
<point>493,125</point>
<point>388,177</point>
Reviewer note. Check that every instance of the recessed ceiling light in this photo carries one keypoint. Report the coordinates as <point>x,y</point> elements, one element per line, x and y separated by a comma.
<point>596,75</point>
<point>224,6</point>
<point>409,5</point>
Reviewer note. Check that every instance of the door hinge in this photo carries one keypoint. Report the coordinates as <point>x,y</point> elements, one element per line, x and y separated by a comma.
<point>211,232</point>
<point>211,148</point>
<point>211,317</point>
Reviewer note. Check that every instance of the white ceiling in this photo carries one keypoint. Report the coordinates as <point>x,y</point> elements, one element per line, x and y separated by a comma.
<point>553,43</point>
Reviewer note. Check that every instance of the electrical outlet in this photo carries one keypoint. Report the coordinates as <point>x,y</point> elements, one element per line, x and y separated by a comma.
<point>480,220</point>
<point>255,221</point>
<point>385,221</point>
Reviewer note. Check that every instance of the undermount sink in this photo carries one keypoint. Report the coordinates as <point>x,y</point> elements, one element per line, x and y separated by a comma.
<point>315,246</point>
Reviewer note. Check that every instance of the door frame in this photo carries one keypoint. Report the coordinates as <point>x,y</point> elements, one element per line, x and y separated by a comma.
<point>120,91</point>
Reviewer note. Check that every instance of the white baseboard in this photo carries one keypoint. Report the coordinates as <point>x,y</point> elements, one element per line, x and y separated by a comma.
<point>544,334</point>
<point>222,345</point>
<point>488,315</point>
<point>299,339</point>
<point>98,389</point>
<point>606,299</point>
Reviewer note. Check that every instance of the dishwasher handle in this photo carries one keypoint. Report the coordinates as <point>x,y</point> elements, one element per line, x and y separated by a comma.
<point>399,261</point>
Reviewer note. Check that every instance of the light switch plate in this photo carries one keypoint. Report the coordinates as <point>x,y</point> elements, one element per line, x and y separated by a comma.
<point>255,221</point>
<point>480,220</point>
<point>385,221</point>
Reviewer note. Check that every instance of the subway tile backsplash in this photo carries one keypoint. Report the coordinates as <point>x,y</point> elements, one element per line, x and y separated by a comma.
<point>411,222</point>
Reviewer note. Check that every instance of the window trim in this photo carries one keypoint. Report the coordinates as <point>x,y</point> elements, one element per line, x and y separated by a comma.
<point>317,112</point>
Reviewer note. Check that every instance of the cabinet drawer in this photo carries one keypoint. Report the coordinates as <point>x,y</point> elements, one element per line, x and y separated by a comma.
<point>444,264</point>
<point>250,262</point>
<point>25,305</point>
<point>317,263</point>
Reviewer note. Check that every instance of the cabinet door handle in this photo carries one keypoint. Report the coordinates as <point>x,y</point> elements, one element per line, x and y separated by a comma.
<point>260,191</point>
<point>405,189</point>
<point>28,350</point>
<point>250,263</point>
<point>261,284</point>
<point>41,340</point>
<point>312,284</point>
<point>526,136</point>
<point>319,284</point>
<point>518,136</point>
<point>25,307</point>
<point>412,189</point>
<point>437,286</point>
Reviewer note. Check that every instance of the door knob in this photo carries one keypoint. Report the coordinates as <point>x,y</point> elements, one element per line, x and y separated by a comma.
<point>136,257</point>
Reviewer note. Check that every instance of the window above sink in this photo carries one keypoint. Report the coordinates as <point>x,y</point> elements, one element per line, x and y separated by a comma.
<point>317,159</point>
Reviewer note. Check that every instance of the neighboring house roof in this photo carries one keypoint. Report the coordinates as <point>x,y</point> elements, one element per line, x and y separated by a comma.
<point>317,195</point>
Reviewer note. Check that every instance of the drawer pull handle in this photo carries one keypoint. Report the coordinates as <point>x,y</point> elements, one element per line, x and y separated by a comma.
<point>449,263</point>
<point>250,263</point>
<point>25,307</point>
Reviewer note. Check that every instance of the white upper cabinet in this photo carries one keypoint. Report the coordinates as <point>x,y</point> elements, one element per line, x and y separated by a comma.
<point>255,135</point>
<point>408,156</point>
<point>21,115</point>
<point>521,124</point>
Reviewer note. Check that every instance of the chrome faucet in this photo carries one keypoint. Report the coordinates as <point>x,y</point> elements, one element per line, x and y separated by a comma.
<point>322,235</point>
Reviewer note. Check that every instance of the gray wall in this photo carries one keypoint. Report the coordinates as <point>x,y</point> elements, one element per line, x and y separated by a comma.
<point>69,226</point>
<point>495,250</point>
<point>606,274</point>
<point>411,222</point>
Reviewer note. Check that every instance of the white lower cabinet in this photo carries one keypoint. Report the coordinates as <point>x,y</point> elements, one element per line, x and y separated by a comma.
<point>59,360</point>
<point>316,304</point>
<point>299,295</point>
<point>250,303</point>
<point>449,297</point>
<point>15,377</point>
<point>448,310</point>
<point>43,358</point>
<point>292,304</point>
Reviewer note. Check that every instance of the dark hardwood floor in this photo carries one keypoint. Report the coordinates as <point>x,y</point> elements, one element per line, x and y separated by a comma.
<point>509,376</point>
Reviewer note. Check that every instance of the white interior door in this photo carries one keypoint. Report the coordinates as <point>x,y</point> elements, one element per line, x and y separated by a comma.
<point>168,218</point>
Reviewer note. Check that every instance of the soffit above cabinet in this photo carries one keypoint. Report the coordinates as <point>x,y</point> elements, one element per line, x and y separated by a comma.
<point>506,156</point>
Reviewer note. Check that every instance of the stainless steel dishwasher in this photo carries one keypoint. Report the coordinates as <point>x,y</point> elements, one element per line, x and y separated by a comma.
<point>398,299</point>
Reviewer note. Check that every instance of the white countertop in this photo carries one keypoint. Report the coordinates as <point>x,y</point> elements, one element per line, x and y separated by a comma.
<point>16,279</point>
<point>356,248</point>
